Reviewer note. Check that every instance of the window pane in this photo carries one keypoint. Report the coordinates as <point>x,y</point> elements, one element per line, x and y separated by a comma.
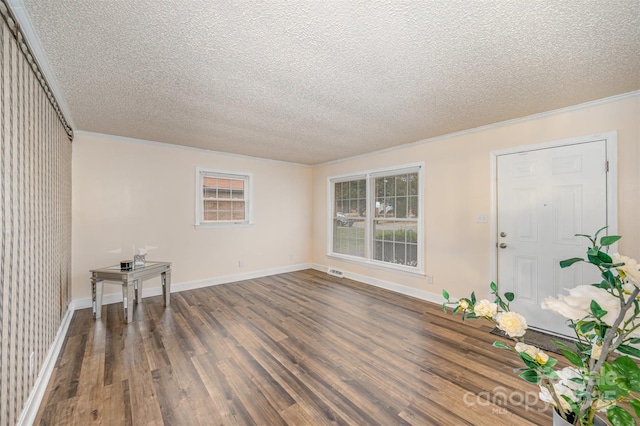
<point>413,207</point>
<point>237,208</point>
<point>238,215</point>
<point>396,242</point>
<point>401,185</point>
<point>224,197</point>
<point>413,183</point>
<point>348,237</point>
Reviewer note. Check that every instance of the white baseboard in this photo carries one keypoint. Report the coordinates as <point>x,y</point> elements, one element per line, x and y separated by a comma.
<point>30,410</point>
<point>191,285</point>
<point>388,285</point>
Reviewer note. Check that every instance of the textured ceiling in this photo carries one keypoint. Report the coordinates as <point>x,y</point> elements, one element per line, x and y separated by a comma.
<point>314,81</point>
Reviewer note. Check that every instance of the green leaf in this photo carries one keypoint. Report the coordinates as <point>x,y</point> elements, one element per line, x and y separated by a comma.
<point>528,361</point>
<point>633,381</point>
<point>493,286</point>
<point>568,262</point>
<point>473,298</point>
<point>629,350</point>
<point>596,310</point>
<point>609,278</point>
<point>635,404</point>
<point>604,257</point>
<point>583,235</point>
<point>572,357</point>
<point>634,341</point>
<point>595,236</point>
<point>618,416</point>
<point>628,371</point>
<point>509,296</point>
<point>530,376</point>
<point>586,327</point>
<point>594,259</point>
<point>445,294</point>
<point>550,373</point>
<point>608,240</point>
<point>624,365</point>
<point>562,345</point>
<point>501,345</point>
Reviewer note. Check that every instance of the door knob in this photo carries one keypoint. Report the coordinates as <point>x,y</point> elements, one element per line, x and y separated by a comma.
<point>503,245</point>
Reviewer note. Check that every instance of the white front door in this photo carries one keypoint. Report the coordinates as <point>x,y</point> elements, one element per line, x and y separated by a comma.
<point>545,197</point>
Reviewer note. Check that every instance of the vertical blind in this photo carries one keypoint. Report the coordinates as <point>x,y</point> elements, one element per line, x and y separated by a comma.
<point>35,206</point>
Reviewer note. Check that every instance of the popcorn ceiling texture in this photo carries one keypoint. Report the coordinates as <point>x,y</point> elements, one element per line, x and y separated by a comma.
<point>310,82</point>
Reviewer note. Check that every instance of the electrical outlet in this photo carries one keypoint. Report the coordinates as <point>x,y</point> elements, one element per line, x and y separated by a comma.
<point>32,359</point>
<point>240,263</point>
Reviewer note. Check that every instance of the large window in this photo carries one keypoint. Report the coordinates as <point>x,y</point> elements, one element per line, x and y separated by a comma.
<point>222,198</point>
<point>376,217</point>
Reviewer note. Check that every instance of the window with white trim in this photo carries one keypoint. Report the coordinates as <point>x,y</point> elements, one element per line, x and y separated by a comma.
<point>222,198</point>
<point>376,217</point>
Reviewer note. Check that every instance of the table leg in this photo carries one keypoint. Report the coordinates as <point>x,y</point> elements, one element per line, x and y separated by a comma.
<point>138,290</point>
<point>165,277</point>
<point>127,300</point>
<point>96,297</point>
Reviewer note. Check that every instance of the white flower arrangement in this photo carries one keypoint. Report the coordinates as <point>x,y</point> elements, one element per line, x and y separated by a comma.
<point>605,318</point>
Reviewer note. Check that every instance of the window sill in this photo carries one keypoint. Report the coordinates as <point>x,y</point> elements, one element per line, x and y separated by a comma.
<point>223,225</point>
<point>390,267</point>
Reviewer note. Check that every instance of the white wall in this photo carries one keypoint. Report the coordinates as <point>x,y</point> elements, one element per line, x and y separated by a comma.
<point>128,193</point>
<point>457,181</point>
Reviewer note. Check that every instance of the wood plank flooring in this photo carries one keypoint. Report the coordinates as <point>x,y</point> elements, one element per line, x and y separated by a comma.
<point>300,348</point>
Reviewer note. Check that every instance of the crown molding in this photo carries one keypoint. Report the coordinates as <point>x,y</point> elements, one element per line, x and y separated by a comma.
<point>22,17</point>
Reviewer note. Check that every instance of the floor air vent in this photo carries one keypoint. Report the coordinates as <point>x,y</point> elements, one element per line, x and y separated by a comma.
<point>335,272</point>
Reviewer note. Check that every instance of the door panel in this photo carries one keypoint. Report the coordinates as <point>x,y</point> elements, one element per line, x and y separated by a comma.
<point>545,197</point>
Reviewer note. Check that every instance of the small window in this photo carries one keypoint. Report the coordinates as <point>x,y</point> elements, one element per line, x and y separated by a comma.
<point>222,198</point>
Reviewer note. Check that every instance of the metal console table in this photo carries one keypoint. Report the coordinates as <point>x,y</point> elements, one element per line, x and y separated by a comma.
<point>131,281</point>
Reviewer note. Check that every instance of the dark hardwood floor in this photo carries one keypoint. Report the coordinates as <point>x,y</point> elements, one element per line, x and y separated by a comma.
<point>301,348</point>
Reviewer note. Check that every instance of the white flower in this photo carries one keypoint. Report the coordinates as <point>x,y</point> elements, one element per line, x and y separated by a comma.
<point>559,389</point>
<point>565,386</point>
<point>532,351</point>
<point>512,323</point>
<point>596,351</point>
<point>536,354</point>
<point>484,308</point>
<point>463,304</point>
<point>577,304</point>
<point>630,269</point>
<point>542,358</point>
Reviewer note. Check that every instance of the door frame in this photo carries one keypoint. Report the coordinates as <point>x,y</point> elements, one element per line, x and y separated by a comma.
<point>611,139</point>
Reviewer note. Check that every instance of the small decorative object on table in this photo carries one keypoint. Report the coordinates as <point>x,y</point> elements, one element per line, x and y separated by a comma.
<point>126,265</point>
<point>139,259</point>
<point>605,318</point>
